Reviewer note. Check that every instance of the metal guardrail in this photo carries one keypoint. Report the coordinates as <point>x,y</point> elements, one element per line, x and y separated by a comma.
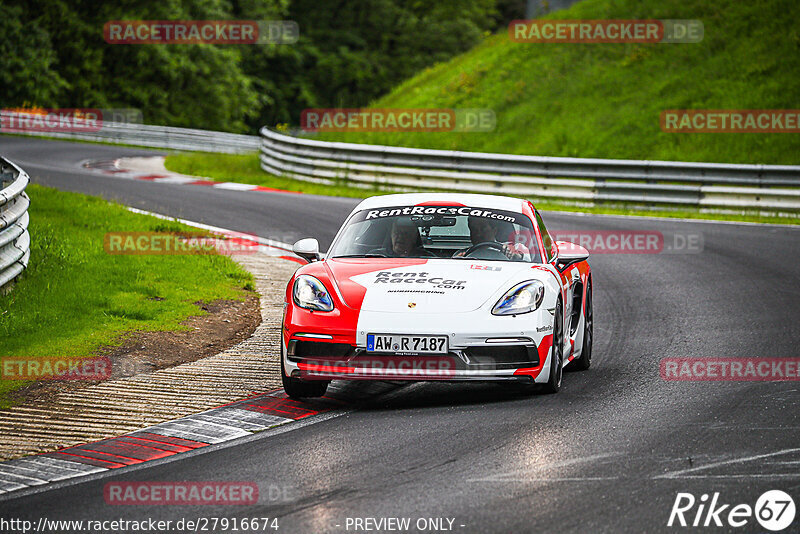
<point>586,181</point>
<point>143,135</point>
<point>14,238</point>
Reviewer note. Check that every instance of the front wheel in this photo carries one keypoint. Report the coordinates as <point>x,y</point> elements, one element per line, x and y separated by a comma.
<point>302,389</point>
<point>556,354</point>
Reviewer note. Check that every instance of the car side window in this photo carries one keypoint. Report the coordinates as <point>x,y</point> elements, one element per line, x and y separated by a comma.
<point>549,246</point>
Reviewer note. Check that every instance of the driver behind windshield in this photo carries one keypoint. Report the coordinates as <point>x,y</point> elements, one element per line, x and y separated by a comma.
<point>483,230</point>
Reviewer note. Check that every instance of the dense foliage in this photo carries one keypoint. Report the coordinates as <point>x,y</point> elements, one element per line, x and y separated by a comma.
<point>52,54</point>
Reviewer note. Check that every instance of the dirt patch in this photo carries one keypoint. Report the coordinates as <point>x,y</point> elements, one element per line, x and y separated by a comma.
<point>226,323</point>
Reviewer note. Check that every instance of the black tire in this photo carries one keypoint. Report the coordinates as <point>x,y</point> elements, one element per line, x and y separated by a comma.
<point>302,389</point>
<point>556,354</point>
<point>585,361</point>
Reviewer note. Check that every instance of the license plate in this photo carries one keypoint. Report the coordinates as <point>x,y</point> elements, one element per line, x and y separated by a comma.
<point>407,344</point>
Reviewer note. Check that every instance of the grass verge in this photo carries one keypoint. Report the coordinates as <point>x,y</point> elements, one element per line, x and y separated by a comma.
<point>75,298</point>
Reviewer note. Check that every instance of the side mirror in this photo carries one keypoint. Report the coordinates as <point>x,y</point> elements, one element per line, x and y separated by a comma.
<point>569,253</point>
<point>307,248</point>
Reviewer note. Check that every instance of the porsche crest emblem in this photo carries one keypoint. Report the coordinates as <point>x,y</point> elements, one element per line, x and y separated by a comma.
<point>412,304</point>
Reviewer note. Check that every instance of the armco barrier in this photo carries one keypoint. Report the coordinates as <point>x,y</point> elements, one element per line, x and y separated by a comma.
<point>703,185</point>
<point>145,135</point>
<point>14,238</point>
<point>769,188</point>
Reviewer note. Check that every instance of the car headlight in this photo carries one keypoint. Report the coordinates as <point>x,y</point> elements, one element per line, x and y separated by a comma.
<point>522,298</point>
<point>310,293</point>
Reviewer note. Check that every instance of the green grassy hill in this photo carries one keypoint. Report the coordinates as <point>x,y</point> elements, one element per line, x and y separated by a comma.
<point>604,100</point>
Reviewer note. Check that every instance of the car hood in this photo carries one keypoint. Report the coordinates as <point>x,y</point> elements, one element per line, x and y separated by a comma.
<point>423,286</point>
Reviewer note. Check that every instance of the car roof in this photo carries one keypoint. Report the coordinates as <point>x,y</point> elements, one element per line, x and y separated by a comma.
<point>415,199</point>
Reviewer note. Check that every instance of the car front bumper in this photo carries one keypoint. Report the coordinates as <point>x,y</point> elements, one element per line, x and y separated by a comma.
<point>327,360</point>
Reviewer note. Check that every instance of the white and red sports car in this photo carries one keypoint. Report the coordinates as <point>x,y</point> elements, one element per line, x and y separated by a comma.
<point>437,286</point>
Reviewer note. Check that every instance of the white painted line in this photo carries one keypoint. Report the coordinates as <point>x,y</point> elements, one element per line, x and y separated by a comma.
<point>678,474</point>
<point>208,427</point>
<point>53,472</point>
<point>178,431</point>
<point>233,186</point>
<point>515,474</point>
<point>9,475</point>
<point>242,425</point>
<point>171,179</point>
<point>201,431</point>
<point>39,471</point>
<point>7,486</point>
<point>238,417</point>
<point>56,463</point>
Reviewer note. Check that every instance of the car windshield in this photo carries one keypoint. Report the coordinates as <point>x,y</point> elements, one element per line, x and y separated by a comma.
<point>457,232</point>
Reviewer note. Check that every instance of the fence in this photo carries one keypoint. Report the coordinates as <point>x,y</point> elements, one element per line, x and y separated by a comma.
<point>141,134</point>
<point>768,188</point>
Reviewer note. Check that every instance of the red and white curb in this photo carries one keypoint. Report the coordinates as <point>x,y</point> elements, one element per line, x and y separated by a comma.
<point>233,421</point>
<point>272,412</point>
<point>247,243</point>
<point>120,169</point>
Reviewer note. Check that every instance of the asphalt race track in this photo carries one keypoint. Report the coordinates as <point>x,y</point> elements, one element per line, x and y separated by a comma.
<point>609,453</point>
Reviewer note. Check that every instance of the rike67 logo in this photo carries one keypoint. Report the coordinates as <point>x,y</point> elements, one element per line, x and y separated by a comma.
<point>774,510</point>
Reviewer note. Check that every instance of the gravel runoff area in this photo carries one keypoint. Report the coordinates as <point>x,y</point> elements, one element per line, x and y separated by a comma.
<point>123,405</point>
